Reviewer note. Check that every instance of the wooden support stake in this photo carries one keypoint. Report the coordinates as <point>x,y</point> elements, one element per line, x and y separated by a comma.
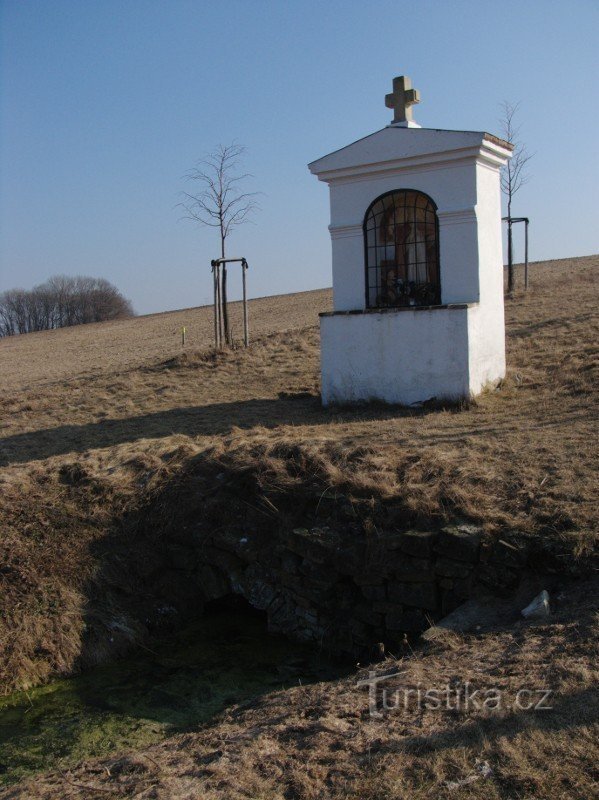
<point>526,254</point>
<point>246,334</point>
<point>216,331</point>
<point>225,309</point>
<point>219,307</point>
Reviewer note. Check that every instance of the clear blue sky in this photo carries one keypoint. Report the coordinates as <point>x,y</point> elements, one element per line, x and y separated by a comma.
<point>105,105</point>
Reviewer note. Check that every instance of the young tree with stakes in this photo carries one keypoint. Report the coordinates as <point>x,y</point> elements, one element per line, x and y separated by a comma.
<point>513,176</point>
<point>221,204</point>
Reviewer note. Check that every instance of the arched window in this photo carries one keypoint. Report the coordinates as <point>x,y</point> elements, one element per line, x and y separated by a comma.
<point>402,251</point>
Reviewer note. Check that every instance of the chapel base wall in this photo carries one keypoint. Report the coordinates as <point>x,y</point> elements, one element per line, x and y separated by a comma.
<point>399,356</point>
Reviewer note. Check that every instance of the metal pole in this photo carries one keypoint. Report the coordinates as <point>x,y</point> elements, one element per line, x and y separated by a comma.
<point>526,254</point>
<point>246,336</point>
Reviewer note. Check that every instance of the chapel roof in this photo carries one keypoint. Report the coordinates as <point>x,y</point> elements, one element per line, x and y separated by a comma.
<point>394,142</point>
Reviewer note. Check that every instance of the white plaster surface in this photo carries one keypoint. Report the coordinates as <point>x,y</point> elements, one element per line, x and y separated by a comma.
<point>409,356</point>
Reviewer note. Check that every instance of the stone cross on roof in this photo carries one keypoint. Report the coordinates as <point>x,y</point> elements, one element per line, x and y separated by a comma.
<point>401,99</point>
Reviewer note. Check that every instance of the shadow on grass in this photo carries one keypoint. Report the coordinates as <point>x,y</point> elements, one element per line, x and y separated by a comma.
<point>220,418</point>
<point>188,677</point>
<point>207,420</point>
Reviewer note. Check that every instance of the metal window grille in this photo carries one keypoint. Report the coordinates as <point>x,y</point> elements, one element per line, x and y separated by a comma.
<point>401,240</point>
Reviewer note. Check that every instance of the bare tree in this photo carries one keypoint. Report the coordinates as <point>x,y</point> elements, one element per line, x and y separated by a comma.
<point>220,202</point>
<point>513,176</point>
<point>59,302</point>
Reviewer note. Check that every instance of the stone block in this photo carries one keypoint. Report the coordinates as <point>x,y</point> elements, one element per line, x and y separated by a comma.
<point>290,561</point>
<point>459,542</point>
<point>361,633</point>
<point>315,544</point>
<point>309,615</point>
<point>213,584</point>
<point>369,577</point>
<point>281,616</point>
<point>449,568</point>
<point>420,595</point>
<point>351,560</point>
<point>374,593</point>
<point>317,573</point>
<point>418,543</point>
<point>183,558</point>
<point>387,607</point>
<point>260,594</point>
<point>508,554</point>
<point>497,577</point>
<point>290,581</point>
<point>412,569</point>
<point>364,612</point>
<point>224,560</point>
<point>244,544</point>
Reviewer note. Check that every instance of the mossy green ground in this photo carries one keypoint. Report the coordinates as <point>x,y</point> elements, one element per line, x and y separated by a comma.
<point>220,661</point>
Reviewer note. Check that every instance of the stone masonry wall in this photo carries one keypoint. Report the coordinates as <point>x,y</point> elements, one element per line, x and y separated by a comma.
<point>316,586</point>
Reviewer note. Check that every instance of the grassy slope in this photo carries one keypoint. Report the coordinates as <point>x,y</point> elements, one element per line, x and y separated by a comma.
<point>89,436</point>
<point>319,742</point>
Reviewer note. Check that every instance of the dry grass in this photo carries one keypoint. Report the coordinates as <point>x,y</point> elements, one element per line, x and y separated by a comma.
<point>99,424</point>
<point>318,742</point>
<point>42,359</point>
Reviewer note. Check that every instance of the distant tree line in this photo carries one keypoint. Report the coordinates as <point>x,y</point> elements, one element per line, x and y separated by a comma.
<point>59,302</point>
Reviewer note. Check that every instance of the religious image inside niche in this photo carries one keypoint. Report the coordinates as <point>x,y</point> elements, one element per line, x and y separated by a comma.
<point>402,251</point>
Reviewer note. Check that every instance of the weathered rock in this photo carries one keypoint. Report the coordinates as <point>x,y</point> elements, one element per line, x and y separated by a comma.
<point>317,573</point>
<point>374,592</point>
<point>538,608</point>
<point>351,560</point>
<point>418,543</point>
<point>460,542</point>
<point>228,562</point>
<point>369,577</point>
<point>213,584</point>
<point>245,545</point>
<point>260,595</point>
<point>281,616</point>
<point>452,569</point>
<point>387,607</point>
<point>497,577</point>
<point>410,568</point>
<point>363,635</point>
<point>316,544</point>
<point>183,558</point>
<point>365,613</point>
<point>290,561</point>
<point>510,555</point>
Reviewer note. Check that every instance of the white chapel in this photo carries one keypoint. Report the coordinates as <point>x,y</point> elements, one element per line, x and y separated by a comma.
<point>417,263</point>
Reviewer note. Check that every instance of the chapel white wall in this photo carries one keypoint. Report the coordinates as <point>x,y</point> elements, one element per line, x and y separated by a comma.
<point>453,189</point>
<point>486,323</point>
<point>398,357</point>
